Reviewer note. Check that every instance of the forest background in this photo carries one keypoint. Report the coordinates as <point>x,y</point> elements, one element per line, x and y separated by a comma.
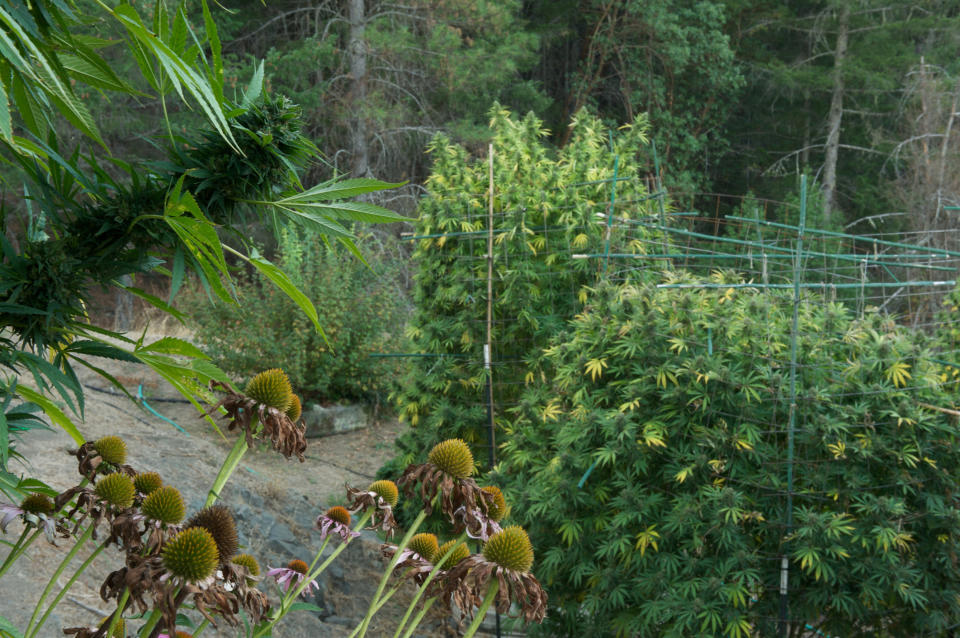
<point>742,94</point>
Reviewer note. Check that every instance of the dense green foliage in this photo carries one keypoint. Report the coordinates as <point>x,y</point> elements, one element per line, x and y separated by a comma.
<point>543,213</point>
<point>681,399</point>
<point>360,308</point>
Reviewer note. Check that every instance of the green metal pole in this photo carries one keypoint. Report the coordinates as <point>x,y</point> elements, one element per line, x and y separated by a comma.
<point>656,171</point>
<point>613,201</point>
<point>791,427</point>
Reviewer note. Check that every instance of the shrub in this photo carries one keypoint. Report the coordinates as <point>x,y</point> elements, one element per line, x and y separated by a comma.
<point>545,209</point>
<point>361,310</point>
<point>679,399</point>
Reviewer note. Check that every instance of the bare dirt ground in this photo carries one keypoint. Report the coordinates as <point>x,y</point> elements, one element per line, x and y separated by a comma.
<point>275,501</point>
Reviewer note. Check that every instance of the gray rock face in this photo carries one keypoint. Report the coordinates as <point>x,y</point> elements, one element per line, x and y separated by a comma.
<point>336,419</point>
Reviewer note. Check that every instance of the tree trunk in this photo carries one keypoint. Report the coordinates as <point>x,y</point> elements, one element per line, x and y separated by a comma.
<point>835,117</point>
<point>358,72</point>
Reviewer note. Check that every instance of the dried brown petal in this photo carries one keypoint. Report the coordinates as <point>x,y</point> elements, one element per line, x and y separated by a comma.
<point>287,437</point>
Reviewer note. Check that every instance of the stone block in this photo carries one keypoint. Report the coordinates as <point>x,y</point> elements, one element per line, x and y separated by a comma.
<point>335,419</point>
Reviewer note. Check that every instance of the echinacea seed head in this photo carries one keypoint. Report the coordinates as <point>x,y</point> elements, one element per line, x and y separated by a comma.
<point>191,555</point>
<point>511,549</point>
<point>295,409</point>
<point>37,503</point>
<point>111,449</point>
<point>247,561</point>
<point>147,482</point>
<point>298,566</point>
<point>218,520</point>
<point>116,489</point>
<point>339,514</point>
<point>453,456</point>
<point>498,507</point>
<point>165,504</point>
<point>387,490</point>
<point>461,552</point>
<point>426,545</point>
<point>271,388</point>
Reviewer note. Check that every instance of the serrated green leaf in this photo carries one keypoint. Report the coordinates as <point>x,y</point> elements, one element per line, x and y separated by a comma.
<point>56,415</point>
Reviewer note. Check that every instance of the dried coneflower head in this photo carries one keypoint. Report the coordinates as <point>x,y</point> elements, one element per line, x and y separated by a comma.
<point>387,490</point>
<point>111,449</point>
<point>116,489</point>
<point>511,549</point>
<point>248,561</point>
<point>218,520</point>
<point>459,553</point>
<point>37,504</point>
<point>295,409</point>
<point>453,456</point>
<point>271,388</point>
<point>191,555</point>
<point>298,566</point>
<point>497,506</point>
<point>426,545</point>
<point>339,514</point>
<point>164,504</point>
<point>147,482</point>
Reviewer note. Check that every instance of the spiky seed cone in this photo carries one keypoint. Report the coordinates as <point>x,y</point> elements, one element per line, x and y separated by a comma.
<point>191,555</point>
<point>116,489</point>
<point>272,388</point>
<point>218,520</point>
<point>461,552</point>
<point>147,482</point>
<point>426,545</point>
<point>511,549</point>
<point>165,504</point>
<point>37,504</point>
<point>453,456</point>
<point>295,409</point>
<point>387,490</point>
<point>111,449</point>
<point>339,514</point>
<point>247,561</point>
<point>498,509</point>
<point>298,566</point>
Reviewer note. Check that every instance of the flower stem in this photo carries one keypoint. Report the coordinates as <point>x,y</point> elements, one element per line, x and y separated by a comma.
<point>416,619</point>
<point>365,624</point>
<point>200,627</point>
<point>121,604</point>
<point>18,549</point>
<point>150,624</point>
<point>304,583</point>
<point>484,606</point>
<point>430,577</point>
<point>53,579</point>
<point>66,588</point>
<point>227,469</point>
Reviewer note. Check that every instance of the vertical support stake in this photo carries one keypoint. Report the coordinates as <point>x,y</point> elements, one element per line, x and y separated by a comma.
<point>613,200</point>
<point>783,628</point>
<point>487,348</point>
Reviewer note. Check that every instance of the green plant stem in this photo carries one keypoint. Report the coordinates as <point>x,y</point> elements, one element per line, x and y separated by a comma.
<point>115,618</point>
<point>18,549</point>
<point>426,583</point>
<point>151,623</point>
<point>66,588</point>
<point>53,579</point>
<point>200,628</point>
<point>383,601</point>
<point>416,619</point>
<point>492,590</point>
<point>227,469</point>
<point>311,575</point>
<point>365,624</point>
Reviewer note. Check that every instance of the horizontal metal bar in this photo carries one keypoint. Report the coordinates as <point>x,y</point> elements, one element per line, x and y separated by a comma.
<point>821,285</point>
<point>831,233</point>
